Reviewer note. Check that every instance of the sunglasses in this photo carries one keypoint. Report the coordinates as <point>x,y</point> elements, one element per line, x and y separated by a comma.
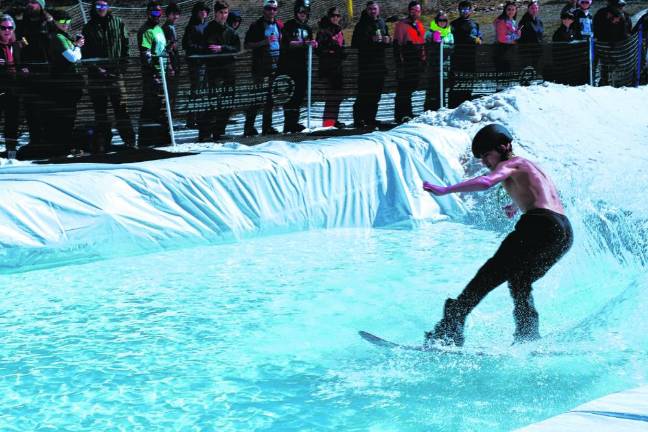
<point>101,6</point>
<point>336,16</point>
<point>442,20</point>
<point>466,10</point>
<point>302,12</point>
<point>270,8</point>
<point>8,28</point>
<point>64,21</point>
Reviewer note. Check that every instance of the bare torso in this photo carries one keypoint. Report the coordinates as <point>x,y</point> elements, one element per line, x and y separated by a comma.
<point>530,188</point>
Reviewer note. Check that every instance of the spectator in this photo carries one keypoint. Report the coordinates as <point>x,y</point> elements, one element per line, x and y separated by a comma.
<point>68,83</point>
<point>565,33</point>
<point>172,13</point>
<point>506,30</point>
<point>296,37</point>
<point>531,36</point>
<point>467,36</point>
<point>223,42</point>
<point>153,130</point>
<point>33,32</point>
<point>583,20</point>
<point>10,71</point>
<point>409,53</point>
<point>234,19</point>
<point>507,34</point>
<point>610,23</point>
<point>531,26</point>
<point>193,43</point>
<point>330,48</point>
<point>440,31</point>
<point>570,6</point>
<point>264,38</point>
<point>371,38</point>
<point>106,38</point>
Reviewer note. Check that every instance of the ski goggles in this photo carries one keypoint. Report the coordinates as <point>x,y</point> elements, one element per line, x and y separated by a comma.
<point>155,13</point>
<point>465,10</point>
<point>101,6</point>
<point>64,21</point>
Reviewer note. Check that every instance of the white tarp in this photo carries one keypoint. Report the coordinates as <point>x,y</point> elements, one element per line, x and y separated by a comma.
<point>618,412</point>
<point>79,212</point>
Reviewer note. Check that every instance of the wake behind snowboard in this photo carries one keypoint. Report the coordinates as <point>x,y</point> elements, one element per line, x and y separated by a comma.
<point>378,341</point>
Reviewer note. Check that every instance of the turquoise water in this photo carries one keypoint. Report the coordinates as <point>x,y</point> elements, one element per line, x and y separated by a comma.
<point>262,335</point>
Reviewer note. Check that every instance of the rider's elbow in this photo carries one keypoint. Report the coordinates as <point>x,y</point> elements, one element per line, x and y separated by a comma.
<point>484,183</point>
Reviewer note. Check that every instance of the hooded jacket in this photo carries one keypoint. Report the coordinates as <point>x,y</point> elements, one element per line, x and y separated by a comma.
<point>371,54</point>
<point>532,29</point>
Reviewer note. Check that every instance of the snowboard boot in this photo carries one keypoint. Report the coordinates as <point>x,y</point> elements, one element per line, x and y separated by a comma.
<point>448,331</point>
<point>527,325</point>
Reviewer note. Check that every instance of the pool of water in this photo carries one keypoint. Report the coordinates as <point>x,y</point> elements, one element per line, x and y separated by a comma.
<point>262,335</point>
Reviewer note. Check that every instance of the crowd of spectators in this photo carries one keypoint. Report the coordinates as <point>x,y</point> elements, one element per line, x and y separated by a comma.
<point>36,49</point>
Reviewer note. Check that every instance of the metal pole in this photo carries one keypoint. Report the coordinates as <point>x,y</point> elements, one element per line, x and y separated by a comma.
<point>590,49</point>
<point>83,12</point>
<point>441,101</point>
<point>639,59</point>
<point>309,83</point>
<point>350,9</point>
<point>166,102</point>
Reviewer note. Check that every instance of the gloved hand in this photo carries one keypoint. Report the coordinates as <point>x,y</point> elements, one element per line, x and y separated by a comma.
<point>478,41</point>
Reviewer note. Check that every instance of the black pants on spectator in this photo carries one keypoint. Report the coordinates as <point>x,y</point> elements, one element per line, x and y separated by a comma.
<point>541,237</point>
<point>409,75</point>
<point>110,90</point>
<point>154,128</point>
<point>214,122</point>
<point>35,100</point>
<point>462,61</point>
<point>251,113</point>
<point>197,81</point>
<point>334,85</point>
<point>370,86</point>
<point>10,108</point>
<point>62,116</point>
<point>291,108</point>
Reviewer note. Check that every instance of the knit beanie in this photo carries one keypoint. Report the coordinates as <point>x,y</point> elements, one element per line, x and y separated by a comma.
<point>41,3</point>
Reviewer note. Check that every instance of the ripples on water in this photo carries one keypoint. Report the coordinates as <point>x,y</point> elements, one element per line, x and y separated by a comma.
<point>262,335</point>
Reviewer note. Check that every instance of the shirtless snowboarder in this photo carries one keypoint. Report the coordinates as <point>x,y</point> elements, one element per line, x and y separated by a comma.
<point>541,237</point>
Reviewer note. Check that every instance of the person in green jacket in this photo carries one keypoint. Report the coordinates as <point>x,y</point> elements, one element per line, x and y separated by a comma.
<point>106,51</point>
<point>153,130</point>
<point>440,32</point>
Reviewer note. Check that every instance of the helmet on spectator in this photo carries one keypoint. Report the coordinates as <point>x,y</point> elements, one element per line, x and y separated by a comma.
<point>234,17</point>
<point>567,15</point>
<point>440,16</point>
<point>60,14</point>
<point>490,138</point>
<point>302,5</point>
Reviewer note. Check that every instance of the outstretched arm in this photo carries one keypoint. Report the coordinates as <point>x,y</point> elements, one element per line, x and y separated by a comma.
<point>502,172</point>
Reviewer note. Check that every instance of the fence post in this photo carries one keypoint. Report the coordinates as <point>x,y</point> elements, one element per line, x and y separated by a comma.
<point>441,90</point>
<point>83,12</point>
<point>350,9</point>
<point>639,59</point>
<point>309,84</point>
<point>166,101</point>
<point>590,49</point>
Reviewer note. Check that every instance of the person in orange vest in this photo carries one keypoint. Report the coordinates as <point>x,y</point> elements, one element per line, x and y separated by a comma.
<point>409,53</point>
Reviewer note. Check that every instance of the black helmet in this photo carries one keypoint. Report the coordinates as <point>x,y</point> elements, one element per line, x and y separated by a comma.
<point>489,138</point>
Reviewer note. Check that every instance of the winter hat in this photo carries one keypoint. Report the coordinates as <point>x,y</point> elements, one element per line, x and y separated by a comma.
<point>270,3</point>
<point>567,15</point>
<point>302,5</point>
<point>41,3</point>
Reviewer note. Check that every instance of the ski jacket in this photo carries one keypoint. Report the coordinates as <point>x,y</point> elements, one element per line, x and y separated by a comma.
<point>532,29</point>
<point>409,41</point>
<point>506,31</point>
<point>465,31</point>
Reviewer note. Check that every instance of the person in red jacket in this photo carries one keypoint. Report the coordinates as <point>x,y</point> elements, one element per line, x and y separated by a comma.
<point>409,53</point>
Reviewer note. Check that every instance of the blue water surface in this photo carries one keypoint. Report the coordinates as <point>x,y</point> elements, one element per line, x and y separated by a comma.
<point>262,335</point>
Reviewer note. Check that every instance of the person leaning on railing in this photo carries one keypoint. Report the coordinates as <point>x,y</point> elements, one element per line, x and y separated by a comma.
<point>330,49</point>
<point>410,57</point>
<point>106,40</point>
<point>153,130</point>
<point>67,83</point>
<point>11,71</point>
<point>222,42</point>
